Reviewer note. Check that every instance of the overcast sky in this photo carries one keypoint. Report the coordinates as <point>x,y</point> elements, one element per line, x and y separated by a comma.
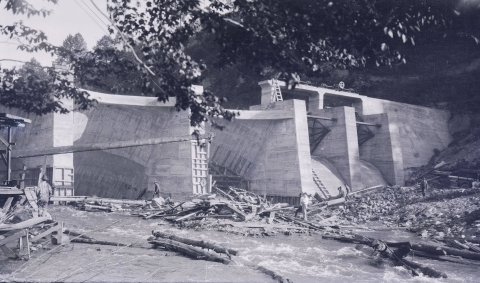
<point>68,17</point>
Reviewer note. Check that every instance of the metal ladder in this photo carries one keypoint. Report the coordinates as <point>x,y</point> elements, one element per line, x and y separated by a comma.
<point>277,93</point>
<point>320,185</point>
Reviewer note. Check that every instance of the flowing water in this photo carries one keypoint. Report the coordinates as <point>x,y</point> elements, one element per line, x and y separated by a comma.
<point>299,257</point>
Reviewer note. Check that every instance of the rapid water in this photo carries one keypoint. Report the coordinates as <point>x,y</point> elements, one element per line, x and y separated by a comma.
<point>300,257</point>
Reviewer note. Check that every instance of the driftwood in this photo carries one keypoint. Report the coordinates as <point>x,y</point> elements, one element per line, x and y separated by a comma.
<point>187,250</point>
<point>96,242</point>
<point>203,244</point>
<point>448,258</point>
<point>441,250</point>
<point>274,275</point>
<point>164,212</point>
<point>413,266</point>
<point>98,207</point>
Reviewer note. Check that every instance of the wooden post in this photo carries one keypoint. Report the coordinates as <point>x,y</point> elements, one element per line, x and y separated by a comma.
<point>271,217</point>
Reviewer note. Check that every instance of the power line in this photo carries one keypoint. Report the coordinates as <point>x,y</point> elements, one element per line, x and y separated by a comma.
<point>91,18</point>
<point>94,13</point>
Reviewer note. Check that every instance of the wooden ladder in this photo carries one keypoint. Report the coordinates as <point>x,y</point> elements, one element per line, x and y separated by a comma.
<point>277,93</point>
<point>320,185</point>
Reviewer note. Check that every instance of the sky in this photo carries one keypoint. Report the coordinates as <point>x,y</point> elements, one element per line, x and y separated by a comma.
<point>68,17</point>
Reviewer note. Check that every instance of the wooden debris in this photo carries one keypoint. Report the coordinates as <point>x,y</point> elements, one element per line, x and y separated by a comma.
<point>203,244</point>
<point>96,242</point>
<point>188,250</point>
<point>442,250</point>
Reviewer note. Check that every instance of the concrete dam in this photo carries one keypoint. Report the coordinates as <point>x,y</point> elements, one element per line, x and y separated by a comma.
<point>314,141</point>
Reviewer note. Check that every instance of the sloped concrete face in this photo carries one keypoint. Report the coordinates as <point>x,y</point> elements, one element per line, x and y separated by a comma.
<point>126,172</point>
<point>272,153</point>
<point>116,173</point>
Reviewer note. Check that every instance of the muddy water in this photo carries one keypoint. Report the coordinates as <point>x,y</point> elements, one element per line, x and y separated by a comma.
<point>301,258</point>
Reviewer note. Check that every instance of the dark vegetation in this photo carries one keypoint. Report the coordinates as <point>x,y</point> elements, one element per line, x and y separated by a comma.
<point>420,52</point>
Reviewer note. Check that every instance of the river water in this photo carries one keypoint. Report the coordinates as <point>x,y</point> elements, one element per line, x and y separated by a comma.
<point>299,257</point>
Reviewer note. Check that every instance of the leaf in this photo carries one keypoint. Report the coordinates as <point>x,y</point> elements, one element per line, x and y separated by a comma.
<point>404,38</point>
<point>390,33</point>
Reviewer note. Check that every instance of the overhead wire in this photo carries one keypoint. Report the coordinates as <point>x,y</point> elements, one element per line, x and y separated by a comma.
<point>94,13</point>
<point>106,32</point>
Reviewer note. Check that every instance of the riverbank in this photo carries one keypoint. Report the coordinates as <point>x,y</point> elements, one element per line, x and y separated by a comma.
<point>301,257</point>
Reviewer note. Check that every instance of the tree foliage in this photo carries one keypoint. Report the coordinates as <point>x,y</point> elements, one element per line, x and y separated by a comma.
<point>280,37</point>
<point>72,45</point>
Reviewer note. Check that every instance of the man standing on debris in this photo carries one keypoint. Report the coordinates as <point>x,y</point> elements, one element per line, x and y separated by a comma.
<point>424,186</point>
<point>304,202</point>
<point>347,191</point>
<point>341,193</point>
<point>156,193</point>
<point>43,191</point>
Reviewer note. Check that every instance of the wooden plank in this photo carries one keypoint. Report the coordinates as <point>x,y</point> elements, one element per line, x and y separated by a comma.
<point>8,252</point>
<point>11,192</point>
<point>13,237</point>
<point>32,199</point>
<point>58,228</point>
<point>24,224</point>
<point>187,216</point>
<point>234,209</point>
<point>7,205</point>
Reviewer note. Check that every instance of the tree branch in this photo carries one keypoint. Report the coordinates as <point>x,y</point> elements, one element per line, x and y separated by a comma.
<point>124,39</point>
<point>25,62</point>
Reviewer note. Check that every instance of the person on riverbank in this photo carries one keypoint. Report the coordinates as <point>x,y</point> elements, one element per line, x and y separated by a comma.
<point>347,191</point>
<point>43,192</point>
<point>304,203</point>
<point>424,186</point>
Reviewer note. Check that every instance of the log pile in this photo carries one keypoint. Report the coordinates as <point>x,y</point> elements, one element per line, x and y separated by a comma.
<point>236,204</point>
<point>192,248</point>
<point>101,204</point>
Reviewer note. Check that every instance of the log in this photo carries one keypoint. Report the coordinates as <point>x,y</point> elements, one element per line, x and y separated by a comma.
<point>201,243</point>
<point>410,265</point>
<point>90,206</point>
<point>273,274</point>
<point>445,258</point>
<point>164,211</point>
<point>97,242</point>
<point>338,201</point>
<point>187,250</point>
<point>100,200</point>
<point>441,250</point>
<point>25,224</point>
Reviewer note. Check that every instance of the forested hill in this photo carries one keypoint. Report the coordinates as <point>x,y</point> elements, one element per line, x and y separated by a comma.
<point>443,74</point>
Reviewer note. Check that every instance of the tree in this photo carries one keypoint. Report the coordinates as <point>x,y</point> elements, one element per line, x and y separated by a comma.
<point>278,37</point>
<point>73,45</point>
<point>33,69</point>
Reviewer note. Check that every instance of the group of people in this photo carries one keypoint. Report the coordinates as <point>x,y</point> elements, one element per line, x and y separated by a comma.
<point>305,200</point>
